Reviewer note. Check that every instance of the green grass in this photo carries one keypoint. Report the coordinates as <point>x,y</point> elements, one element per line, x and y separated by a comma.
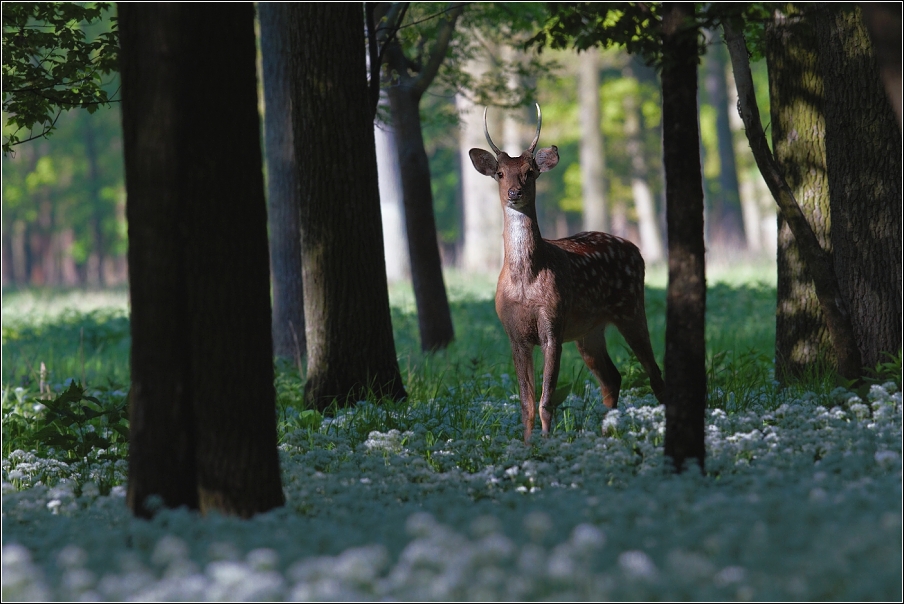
<point>84,338</point>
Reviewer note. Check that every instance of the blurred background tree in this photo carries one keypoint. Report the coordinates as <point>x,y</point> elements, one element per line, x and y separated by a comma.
<point>63,197</point>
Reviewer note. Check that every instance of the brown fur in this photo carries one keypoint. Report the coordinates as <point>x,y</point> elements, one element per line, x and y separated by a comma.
<point>555,291</point>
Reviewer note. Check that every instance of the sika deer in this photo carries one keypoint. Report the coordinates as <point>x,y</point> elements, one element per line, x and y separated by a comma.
<point>555,291</point>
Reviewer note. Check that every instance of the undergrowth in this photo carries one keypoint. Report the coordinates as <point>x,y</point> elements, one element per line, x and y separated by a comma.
<point>65,377</point>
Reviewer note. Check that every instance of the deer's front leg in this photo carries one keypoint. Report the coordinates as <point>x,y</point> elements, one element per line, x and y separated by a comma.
<point>523,355</point>
<point>552,356</point>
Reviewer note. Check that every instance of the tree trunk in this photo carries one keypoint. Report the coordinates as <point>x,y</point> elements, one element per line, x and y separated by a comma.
<point>685,349</point>
<point>96,276</point>
<point>282,185</point>
<point>203,427</point>
<point>482,250</point>
<point>593,159</point>
<point>411,78</point>
<point>883,21</point>
<point>647,221</point>
<point>725,220</point>
<point>433,314</point>
<point>863,160</point>
<point>395,240</point>
<point>789,55</point>
<point>798,129</point>
<point>351,351</point>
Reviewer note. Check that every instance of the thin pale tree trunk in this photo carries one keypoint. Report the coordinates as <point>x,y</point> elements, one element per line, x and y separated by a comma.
<point>593,159</point>
<point>647,220</point>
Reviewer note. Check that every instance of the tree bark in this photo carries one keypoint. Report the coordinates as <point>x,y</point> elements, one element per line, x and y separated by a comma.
<point>797,324</point>
<point>197,227</point>
<point>351,351</point>
<point>282,185</point>
<point>802,338</point>
<point>863,161</point>
<point>685,348</point>
<point>593,158</point>
<point>883,21</point>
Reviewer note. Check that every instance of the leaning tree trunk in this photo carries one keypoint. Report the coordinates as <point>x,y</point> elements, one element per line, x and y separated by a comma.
<point>814,258</point>
<point>351,351</point>
<point>203,426</point>
<point>282,185</point>
<point>863,161</point>
<point>685,347</point>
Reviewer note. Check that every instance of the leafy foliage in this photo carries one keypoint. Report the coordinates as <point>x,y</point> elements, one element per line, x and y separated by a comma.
<point>49,64</point>
<point>586,24</point>
<point>78,423</point>
<point>635,26</point>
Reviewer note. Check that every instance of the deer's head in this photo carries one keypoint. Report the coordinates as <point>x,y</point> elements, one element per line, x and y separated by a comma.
<point>517,176</point>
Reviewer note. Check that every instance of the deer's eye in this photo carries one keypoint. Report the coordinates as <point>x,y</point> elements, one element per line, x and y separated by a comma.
<point>499,175</point>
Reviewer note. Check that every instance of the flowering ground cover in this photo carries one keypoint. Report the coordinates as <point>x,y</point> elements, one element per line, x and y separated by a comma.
<point>438,499</point>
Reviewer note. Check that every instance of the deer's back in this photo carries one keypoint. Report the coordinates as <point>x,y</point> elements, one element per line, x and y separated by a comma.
<point>607,274</point>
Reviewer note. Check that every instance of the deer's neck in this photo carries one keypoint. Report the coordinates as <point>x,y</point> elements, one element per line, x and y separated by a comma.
<point>522,240</point>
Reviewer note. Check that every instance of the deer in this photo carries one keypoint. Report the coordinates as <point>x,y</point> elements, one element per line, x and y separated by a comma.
<point>561,290</point>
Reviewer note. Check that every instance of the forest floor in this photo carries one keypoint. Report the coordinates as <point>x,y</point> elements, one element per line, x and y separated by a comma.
<point>438,499</point>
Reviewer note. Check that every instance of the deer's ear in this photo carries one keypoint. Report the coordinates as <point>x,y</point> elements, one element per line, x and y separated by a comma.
<point>483,161</point>
<point>547,158</point>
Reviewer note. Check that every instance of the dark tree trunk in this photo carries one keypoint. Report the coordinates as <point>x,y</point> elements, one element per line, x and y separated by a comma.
<point>203,428</point>
<point>349,333</point>
<point>725,221</point>
<point>685,350</point>
<point>863,161</point>
<point>282,185</point>
<point>433,314</point>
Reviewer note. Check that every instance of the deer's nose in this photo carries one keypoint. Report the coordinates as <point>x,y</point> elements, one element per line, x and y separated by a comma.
<point>514,193</point>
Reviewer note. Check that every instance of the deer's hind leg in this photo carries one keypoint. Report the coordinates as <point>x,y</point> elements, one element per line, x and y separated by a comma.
<point>637,335</point>
<point>593,350</point>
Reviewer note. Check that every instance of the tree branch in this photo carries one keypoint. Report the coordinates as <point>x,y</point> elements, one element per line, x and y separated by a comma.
<point>444,36</point>
<point>378,38</point>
